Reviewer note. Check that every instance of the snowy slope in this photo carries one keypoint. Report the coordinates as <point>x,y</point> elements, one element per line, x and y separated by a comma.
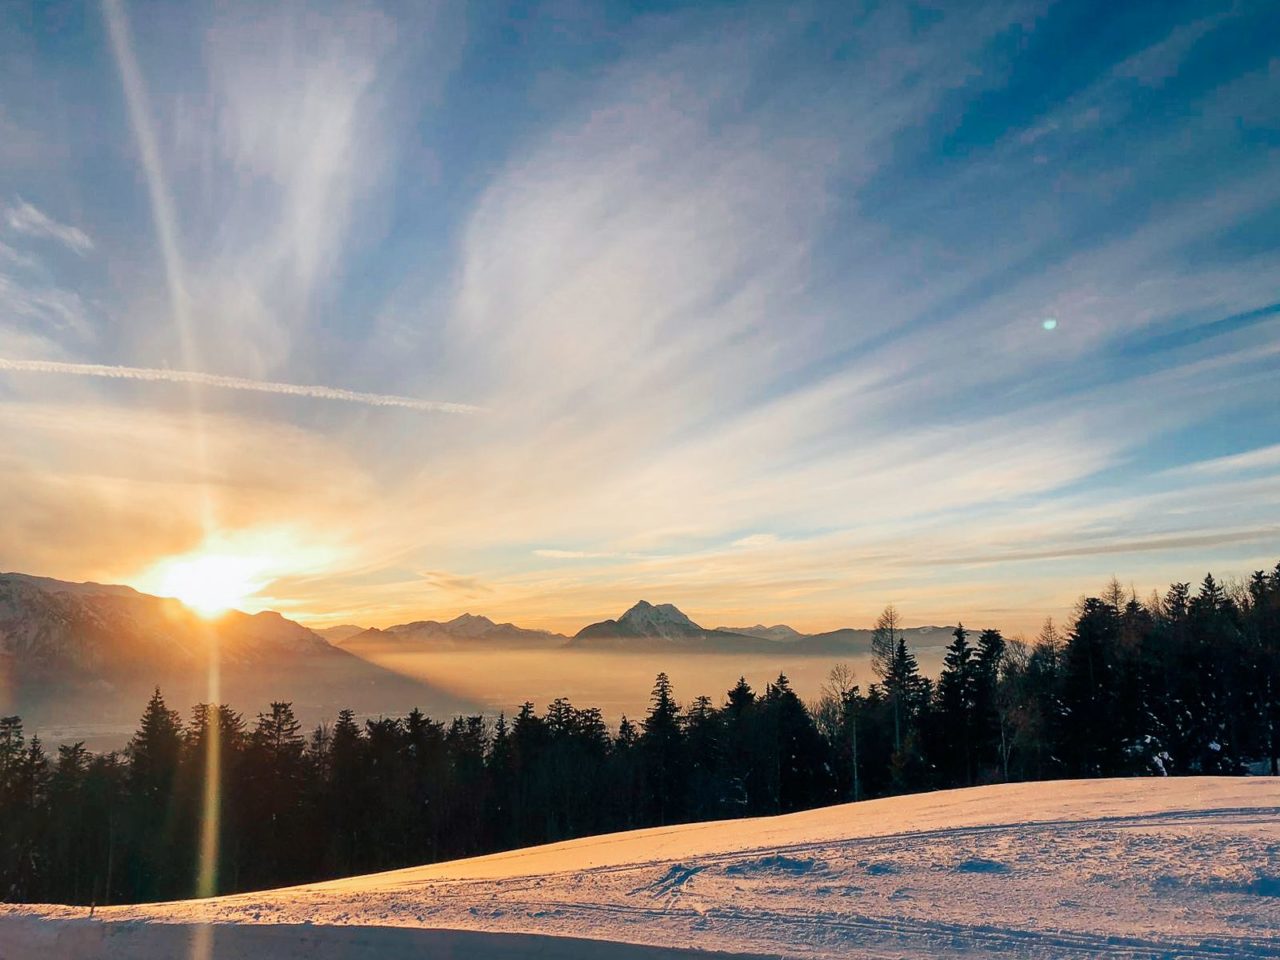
<point>1116,868</point>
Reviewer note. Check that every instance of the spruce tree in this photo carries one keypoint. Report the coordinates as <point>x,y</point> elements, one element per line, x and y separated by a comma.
<point>159,868</point>
<point>986,726</point>
<point>1091,741</point>
<point>662,748</point>
<point>957,698</point>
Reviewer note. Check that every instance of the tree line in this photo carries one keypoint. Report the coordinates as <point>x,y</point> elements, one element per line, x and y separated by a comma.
<point>1187,682</point>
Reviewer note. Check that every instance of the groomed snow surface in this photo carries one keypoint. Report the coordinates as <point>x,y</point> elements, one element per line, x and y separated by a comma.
<point>1176,868</point>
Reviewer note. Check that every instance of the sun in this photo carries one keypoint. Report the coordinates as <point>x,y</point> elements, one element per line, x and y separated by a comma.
<point>209,583</point>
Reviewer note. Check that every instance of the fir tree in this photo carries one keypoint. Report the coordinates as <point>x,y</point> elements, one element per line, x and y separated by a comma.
<point>957,700</point>
<point>661,746</point>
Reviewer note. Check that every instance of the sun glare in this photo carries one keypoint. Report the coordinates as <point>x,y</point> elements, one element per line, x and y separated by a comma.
<point>210,584</point>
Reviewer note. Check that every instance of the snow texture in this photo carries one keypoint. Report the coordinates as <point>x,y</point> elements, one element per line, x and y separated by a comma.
<point>1143,868</point>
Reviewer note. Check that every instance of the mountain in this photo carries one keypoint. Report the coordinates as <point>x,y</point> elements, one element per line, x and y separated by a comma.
<point>663,621</point>
<point>80,654</point>
<point>340,632</point>
<point>780,632</point>
<point>465,632</point>
<point>663,626</point>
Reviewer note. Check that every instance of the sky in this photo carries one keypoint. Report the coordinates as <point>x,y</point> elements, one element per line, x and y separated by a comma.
<point>776,312</point>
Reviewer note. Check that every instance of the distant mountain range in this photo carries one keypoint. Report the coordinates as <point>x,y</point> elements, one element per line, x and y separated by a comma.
<point>91,653</point>
<point>466,632</point>
<point>644,627</point>
<point>779,632</point>
<point>664,627</point>
<point>86,652</point>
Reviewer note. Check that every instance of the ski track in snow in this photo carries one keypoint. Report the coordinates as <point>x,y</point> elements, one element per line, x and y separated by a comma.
<point>1142,869</point>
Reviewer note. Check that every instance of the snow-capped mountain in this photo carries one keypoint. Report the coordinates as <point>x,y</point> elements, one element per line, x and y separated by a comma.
<point>48,627</point>
<point>467,631</point>
<point>662,625</point>
<point>645,619</point>
<point>83,652</point>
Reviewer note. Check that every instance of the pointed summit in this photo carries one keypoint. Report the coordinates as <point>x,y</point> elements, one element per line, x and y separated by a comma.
<point>663,621</point>
<point>469,625</point>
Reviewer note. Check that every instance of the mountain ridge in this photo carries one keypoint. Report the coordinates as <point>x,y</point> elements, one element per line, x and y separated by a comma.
<point>647,626</point>
<point>643,626</point>
<point>465,631</point>
<point>76,653</point>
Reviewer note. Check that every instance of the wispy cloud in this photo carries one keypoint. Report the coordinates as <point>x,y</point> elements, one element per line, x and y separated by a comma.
<point>1260,458</point>
<point>231,383</point>
<point>738,273</point>
<point>552,554</point>
<point>21,217</point>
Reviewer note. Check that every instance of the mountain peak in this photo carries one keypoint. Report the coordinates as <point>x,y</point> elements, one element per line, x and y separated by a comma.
<point>463,619</point>
<point>657,619</point>
<point>469,625</point>
<point>663,621</point>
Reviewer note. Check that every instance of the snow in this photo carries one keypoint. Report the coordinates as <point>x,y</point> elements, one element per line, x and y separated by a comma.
<point>1178,867</point>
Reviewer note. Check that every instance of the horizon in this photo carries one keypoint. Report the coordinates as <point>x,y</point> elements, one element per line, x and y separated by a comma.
<point>359,315</point>
<point>707,622</point>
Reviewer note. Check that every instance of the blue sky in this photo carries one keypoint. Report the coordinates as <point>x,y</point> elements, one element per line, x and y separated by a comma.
<point>750,301</point>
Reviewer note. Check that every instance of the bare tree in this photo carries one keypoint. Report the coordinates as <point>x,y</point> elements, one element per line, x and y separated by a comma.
<point>836,712</point>
<point>1113,594</point>
<point>1050,641</point>
<point>884,641</point>
<point>884,657</point>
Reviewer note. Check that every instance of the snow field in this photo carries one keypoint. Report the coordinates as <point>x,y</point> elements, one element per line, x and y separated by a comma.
<point>1142,868</point>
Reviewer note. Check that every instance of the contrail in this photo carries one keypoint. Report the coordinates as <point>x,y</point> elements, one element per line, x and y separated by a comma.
<point>232,383</point>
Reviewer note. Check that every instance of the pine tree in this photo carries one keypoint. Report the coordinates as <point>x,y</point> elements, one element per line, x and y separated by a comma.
<point>906,689</point>
<point>159,868</point>
<point>957,701</point>
<point>626,773</point>
<point>987,730</point>
<point>275,790</point>
<point>70,827</point>
<point>662,748</point>
<point>213,745</point>
<point>744,793</point>
<point>1264,627</point>
<point>704,737</point>
<point>803,770</point>
<point>154,753</point>
<point>1091,740</point>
